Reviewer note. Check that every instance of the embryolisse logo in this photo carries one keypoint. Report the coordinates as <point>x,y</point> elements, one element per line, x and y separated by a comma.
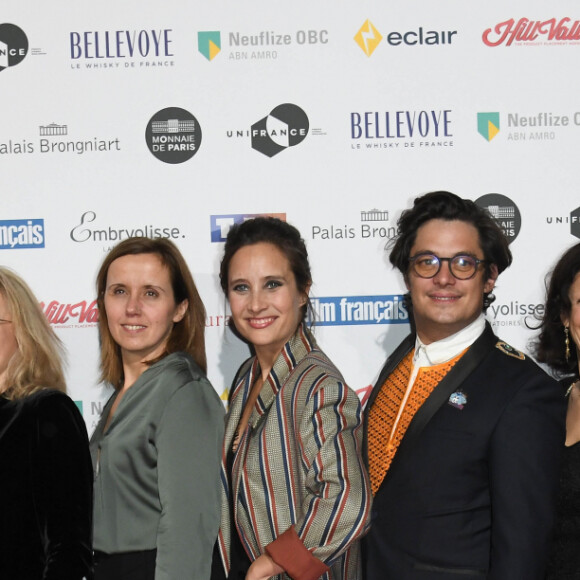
<point>173,135</point>
<point>13,45</point>
<point>87,230</point>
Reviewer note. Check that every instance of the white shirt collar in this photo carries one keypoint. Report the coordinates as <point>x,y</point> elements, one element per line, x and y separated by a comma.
<point>438,352</point>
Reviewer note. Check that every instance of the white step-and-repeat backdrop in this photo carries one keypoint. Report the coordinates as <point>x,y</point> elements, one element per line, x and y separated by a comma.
<point>178,118</point>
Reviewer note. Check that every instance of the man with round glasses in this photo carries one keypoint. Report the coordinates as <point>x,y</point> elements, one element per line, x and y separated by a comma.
<point>463,432</point>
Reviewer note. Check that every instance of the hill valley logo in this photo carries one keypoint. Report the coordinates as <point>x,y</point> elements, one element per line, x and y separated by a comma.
<point>525,32</point>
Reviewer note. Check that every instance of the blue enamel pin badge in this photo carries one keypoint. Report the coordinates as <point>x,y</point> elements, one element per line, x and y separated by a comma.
<point>458,400</point>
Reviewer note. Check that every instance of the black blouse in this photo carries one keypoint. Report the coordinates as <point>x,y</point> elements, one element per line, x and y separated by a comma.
<point>46,489</point>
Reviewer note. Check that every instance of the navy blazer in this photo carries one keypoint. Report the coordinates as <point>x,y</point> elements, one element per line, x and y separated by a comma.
<point>472,488</point>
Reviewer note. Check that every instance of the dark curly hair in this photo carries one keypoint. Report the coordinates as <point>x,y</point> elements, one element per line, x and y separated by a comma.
<point>273,231</point>
<point>550,346</point>
<point>447,206</point>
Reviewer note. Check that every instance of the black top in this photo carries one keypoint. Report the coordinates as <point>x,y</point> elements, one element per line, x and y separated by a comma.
<point>565,557</point>
<point>46,489</point>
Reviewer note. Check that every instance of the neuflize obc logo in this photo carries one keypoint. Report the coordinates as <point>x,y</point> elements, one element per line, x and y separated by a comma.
<point>21,234</point>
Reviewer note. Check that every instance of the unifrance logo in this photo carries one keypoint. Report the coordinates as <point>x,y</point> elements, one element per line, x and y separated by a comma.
<point>488,125</point>
<point>13,45</point>
<point>209,43</point>
<point>505,213</point>
<point>220,224</point>
<point>357,310</point>
<point>368,38</point>
<point>533,32</point>
<point>173,135</point>
<point>21,234</point>
<point>573,220</point>
<point>286,126</point>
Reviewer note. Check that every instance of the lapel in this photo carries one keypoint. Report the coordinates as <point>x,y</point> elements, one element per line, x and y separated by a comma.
<point>293,352</point>
<point>452,381</point>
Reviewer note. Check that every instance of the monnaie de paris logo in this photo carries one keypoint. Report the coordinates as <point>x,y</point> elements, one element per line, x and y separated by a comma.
<point>173,135</point>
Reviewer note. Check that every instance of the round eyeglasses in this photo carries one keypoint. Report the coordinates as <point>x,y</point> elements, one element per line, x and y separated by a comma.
<point>462,266</point>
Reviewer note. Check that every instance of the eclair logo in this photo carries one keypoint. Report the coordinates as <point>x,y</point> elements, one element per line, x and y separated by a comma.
<point>368,38</point>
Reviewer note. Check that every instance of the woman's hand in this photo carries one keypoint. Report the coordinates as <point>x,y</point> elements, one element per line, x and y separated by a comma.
<point>262,568</point>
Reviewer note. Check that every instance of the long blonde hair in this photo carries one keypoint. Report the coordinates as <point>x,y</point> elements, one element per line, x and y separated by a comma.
<point>38,362</point>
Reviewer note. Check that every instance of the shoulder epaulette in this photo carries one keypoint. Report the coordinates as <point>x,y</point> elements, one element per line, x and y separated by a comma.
<point>509,350</point>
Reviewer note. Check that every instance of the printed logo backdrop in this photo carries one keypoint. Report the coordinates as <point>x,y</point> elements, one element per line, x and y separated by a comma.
<point>331,117</point>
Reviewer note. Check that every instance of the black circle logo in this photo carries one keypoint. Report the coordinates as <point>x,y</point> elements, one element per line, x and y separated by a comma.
<point>13,45</point>
<point>173,135</point>
<point>286,125</point>
<point>505,213</point>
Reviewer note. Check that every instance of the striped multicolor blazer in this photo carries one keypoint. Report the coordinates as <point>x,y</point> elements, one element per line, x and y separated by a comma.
<point>299,490</point>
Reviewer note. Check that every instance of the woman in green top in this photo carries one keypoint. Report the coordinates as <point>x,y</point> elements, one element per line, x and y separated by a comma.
<point>156,448</point>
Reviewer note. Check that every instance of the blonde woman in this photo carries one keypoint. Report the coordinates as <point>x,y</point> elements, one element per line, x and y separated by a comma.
<point>45,468</point>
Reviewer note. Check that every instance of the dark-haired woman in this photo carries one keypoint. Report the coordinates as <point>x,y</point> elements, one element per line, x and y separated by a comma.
<point>156,447</point>
<point>296,497</point>
<point>558,346</point>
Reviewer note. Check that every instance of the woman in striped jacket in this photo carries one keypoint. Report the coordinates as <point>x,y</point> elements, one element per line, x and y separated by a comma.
<point>295,494</point>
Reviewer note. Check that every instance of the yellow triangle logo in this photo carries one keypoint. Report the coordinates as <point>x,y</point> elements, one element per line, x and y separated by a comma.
<point>492,130</point>
<point>213,50</point>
